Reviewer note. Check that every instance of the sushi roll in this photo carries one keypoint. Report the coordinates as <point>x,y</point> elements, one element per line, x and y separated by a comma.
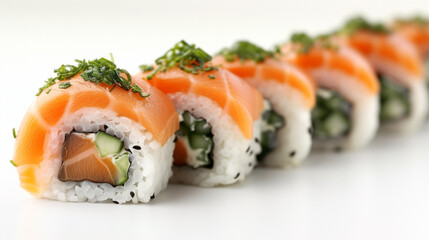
<point>290,96</point>
<point>400,71</point>
<point>219,114</point>
<point>95,134</point>
<point>416,30</point>
<point>346,111</point>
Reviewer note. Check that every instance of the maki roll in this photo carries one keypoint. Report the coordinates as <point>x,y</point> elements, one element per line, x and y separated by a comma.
<point>95,134</point>
<point>416,30</point>
<point>400,71</point>
<point>290,96</point>
<point>346,111</point>
<point>219,113</point>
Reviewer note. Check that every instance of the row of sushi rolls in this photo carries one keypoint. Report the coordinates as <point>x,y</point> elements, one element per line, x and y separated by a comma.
<point>97,133</point>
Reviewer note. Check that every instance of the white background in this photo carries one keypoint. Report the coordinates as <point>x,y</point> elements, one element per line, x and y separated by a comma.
<point>378,193</point>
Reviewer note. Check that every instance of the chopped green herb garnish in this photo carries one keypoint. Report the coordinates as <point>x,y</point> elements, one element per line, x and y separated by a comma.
<point>64,85</point>
<point>186,56</point>
<point>136,89</point>
<point>96,71</point>
<point>277,49</point>
<point>48,91</point>
<point>419,20</point>
<point>111,57</point>
<point>146,68</point>
<point>64,72</point>
<point>245,50</point>
<point>306,42</point>
<point>11,161</point>
<point>359,23</point>
<point>212,76</point>
<point>14,132</point>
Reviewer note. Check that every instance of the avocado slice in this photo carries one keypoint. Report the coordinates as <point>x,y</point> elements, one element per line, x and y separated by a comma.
<point>107,144</point>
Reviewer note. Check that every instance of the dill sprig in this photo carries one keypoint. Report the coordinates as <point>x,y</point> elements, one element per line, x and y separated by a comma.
<point>96,71</point>
<point>306,42</point>
<point>183,55</point>
<point>360,23</point>
<point>245,50</point>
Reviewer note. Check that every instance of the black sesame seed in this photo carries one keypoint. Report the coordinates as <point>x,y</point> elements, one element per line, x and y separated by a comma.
<point>257,140</point>
<point>153,196</point>
<point>310,131</point>
<point>115,202</point>
<point>132,194</point>
<point>251,153</point>
<point>175,139</point>
<point>250,164</point>
<point>136,147</point>
<point>248,149</point>
<point>291,154</point>
<point>236,176</point>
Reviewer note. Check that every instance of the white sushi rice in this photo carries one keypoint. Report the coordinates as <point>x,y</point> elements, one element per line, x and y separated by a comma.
<point>234,155</point>
<point>149,170</point>
<point>294,139</point>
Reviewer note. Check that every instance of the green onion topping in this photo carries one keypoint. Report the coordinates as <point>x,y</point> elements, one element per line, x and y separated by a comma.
<point>306,42</point>
<point>186,56</point>
<point>11,161</point>
<point>245,50</point>
<point>359,23</point>
<point>419,20</point>
<point>64,85</point>
<point>146,68</point>
<point>14,132</point>
<point>212,76</point>
<point>96,71</point>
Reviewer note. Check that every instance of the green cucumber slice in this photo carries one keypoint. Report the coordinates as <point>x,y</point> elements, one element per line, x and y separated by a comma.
<point>331,115</point>
<point>394,100</point>
<point>202,127</point>
<point>107,144</point>
<point>336,124</point>
<point>199,141</point>
<point>122,164</point>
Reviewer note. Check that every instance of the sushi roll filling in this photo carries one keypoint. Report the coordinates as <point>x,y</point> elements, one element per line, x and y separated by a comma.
<point>394,100</point>
<point>195,138</point>
<point>81,151</point>
<point>331,115</point>
<point>272,122</point>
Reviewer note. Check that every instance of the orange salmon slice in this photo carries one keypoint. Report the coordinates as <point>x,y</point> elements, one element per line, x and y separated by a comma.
<point>81,161</point>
